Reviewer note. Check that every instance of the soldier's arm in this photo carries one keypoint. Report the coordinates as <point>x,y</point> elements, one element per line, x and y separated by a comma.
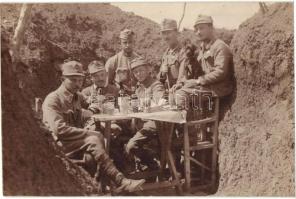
<point>85,98</point>
<point>158,91</point>
<point>184,61</point>
<point>57,124</point>
<point>110,68</point>
<point>222,60</point>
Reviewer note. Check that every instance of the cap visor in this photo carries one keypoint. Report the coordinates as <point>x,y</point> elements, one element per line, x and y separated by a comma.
<point>168,29</point>
<point>95,71</point>
<point>74,74</point>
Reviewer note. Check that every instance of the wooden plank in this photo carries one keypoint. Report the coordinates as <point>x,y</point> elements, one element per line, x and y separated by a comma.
<point>144,174</point>
<point>174,172</point>
<point>203,121</point>
<point>106,117</point>
<point>215,142</point>
<point>186,158</point>
<point>159,185</point>
<point>202,146</point>
<point>200,164</point>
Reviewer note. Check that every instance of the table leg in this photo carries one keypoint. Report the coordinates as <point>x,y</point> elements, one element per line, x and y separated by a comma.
<point>187,158</point>
<point>162,149</point>
<point>168,133</point>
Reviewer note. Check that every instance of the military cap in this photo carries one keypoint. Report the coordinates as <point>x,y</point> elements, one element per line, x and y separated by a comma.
<point>203,19</point>
<point>168,24</point>
<point>126,34</point>
<point>95,66</point>
<point>139,61</point>
<point>71,68</point>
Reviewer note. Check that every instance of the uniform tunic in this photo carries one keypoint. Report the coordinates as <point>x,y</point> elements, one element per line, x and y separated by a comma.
<point>173,60</point>
<point>216,62</point>
<point>147,133</point>
<point>108,91</point>
<point>120,61</point>
<point>64,116</point>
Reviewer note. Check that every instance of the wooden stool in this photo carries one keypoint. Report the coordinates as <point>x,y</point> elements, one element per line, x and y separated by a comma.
<point>208,125</point>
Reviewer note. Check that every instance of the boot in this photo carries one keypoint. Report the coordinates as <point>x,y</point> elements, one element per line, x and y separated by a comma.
<point>129,185</point>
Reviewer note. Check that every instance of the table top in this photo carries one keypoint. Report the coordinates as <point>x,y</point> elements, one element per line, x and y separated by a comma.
<point>171,116</point>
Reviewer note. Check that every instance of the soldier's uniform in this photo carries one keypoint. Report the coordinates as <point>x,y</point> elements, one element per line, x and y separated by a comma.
<point>63,115</point>
<point>120,130</point>
<point>107,90</point>
<point>121,62</point>
<point>173,59</point>
<point>216,62</point>
<point>149,88</point>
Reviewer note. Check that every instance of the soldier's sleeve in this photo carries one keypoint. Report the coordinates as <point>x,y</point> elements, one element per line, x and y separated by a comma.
<point>158,91</point>
<point>85,98</point>
<point>222,58</point>
<point>55,120</point>
<point>110,68</point>
<point>184,61</point>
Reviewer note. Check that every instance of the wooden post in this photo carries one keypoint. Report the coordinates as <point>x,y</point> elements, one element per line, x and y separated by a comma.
<point>215,142</point>
<point>187,158</point>
<point>23,22</point>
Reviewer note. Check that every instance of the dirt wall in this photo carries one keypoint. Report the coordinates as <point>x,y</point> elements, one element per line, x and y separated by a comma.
<point>257,134</point>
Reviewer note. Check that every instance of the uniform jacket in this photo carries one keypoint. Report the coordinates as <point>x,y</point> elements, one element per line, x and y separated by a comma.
<point>108,91</point>
<point>120,61</point>
<point>216,62</point>
<point>151,87</point>
<point>64,116</point>
<point>174,60</point>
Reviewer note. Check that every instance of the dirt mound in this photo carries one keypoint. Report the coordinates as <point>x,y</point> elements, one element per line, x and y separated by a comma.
<point>31,165</point>
<point>256,136</point>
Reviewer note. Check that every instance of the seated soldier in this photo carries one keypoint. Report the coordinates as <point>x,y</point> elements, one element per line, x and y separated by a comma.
<point>99,92</point>
<point>215,60</point>
<point>152,89</point>
<point>102,90</point>
<point>64,116</point>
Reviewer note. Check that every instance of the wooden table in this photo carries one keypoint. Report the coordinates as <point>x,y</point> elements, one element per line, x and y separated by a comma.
<point>108,119</point>
<point>165,121</point>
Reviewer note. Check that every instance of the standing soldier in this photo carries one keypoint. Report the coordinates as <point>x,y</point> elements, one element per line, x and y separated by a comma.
<point>174,58</point>
<point>63,115</point>
<point>215,59</point>
<point>149,89</point>
<point>118,66</point>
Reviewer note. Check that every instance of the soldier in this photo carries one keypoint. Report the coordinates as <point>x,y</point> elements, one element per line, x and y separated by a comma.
<point>118,66</point>
<point>103,90</point>
<point>63,115</point>
<point>174,57</point>
<point>152,89</point>
<point>215,59</point>
<point>100,84</point>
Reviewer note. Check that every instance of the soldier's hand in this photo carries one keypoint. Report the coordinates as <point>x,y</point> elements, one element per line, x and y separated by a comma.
<point>176,87</point>
<point>95,107</point>
<point>191,83</point>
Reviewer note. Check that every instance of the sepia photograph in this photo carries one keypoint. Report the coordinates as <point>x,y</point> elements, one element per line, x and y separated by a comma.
<point>147,98</point>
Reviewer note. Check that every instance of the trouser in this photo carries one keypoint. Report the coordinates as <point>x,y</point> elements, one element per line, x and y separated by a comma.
<point>140,144</point>
<point>93,143</point>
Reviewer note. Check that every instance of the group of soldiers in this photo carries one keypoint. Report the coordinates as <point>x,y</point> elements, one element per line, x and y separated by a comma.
<point>67,111</point>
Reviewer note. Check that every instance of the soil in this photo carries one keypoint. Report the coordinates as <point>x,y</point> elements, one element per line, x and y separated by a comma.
<point>256,135</point>
<point>32,165</point>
